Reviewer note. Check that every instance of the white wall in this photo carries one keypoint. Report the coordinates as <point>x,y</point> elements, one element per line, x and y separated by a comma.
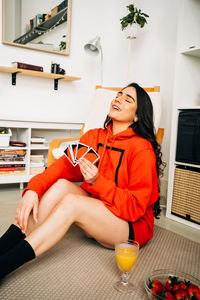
<point>152,63</point>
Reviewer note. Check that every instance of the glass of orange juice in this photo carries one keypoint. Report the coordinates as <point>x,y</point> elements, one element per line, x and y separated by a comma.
<point>126,254</point>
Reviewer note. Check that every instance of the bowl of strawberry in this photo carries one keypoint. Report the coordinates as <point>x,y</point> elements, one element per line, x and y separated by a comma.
<point>172,285</point>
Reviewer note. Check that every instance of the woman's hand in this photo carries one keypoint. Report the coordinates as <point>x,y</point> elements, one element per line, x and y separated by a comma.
<point>28,204</point>
<point>90,172</point>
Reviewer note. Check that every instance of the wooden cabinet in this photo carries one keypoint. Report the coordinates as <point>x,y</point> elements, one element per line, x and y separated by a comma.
<point>186,86</point>
<point>23,131</point>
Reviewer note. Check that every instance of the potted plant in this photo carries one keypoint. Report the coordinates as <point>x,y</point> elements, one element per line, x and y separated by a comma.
<point>62,45</point>
<point>135,19</point>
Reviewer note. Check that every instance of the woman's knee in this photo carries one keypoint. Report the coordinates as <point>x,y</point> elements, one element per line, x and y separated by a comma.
<point>68,205</point>
<point>62,183</point>
<point>68,187</point>
<point>58,190</point>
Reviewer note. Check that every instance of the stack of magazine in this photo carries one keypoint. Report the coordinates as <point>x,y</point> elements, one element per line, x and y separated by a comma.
<point>12,162</point>
<point>37,164</point>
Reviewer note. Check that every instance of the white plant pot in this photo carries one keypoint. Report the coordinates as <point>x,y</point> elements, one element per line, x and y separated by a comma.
<point>132,31</point>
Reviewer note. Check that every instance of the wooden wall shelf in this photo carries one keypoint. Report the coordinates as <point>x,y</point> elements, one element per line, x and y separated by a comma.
<point>55,77</point>
<point>32,34</point>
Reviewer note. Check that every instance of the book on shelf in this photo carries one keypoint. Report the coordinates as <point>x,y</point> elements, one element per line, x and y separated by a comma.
<point>12,153</point>
<point>7,169</point>
<point>38,140</point>
<point>37,157</point>
<point>54,11</point>
<point>38,19</point>
<point>11,167</point>
<point>20,65</point>
<point>5,160</point>
<point>11,170</point>
<point>38,170</point>
<point>37,161</point>
<point>36,164</point>
<point>16,172</point>
<point>12,159</point>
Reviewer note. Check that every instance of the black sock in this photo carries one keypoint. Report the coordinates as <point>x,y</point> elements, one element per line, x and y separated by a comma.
<point>10,238</point>
<point>16,257</point>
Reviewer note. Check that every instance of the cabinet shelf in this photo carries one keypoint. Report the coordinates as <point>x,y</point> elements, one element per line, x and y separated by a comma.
<point>55,77</point>
<point>32,34</point>
<point>13,162</point>
<point>188,107</point>
<point>14,178</point>
<point>13,148</point>
<point>39,147</point>
<point>186,164</point>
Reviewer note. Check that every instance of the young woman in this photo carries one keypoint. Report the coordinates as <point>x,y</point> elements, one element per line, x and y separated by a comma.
<point>117,199</point>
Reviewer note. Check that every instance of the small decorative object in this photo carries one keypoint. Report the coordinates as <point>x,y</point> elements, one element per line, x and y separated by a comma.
<point>134,20</point>
<point>55,68</point>
<point>54,11</point>
<point>5,134</point>
<point>61,71</point>
<point>62,45</point>
<point>17,144</point>
<point>47,16</point>
<point>4,131</point>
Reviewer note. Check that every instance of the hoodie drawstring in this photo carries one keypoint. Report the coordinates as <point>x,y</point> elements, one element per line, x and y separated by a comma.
<point>104,149</point>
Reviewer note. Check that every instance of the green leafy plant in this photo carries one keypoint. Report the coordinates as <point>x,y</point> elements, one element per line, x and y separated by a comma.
<point>62,45</point>
<point>134,16</point>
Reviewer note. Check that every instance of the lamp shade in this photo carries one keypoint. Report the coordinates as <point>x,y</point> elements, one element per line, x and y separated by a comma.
<point>93,47</point>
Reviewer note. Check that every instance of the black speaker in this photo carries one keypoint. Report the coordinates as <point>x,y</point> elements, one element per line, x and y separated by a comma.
<point>188,137</point>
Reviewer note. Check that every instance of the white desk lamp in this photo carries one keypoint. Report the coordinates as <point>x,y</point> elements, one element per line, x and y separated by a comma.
<point>93,47</point>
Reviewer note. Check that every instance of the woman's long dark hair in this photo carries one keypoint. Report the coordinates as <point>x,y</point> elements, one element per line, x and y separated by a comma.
<point>144,127</point>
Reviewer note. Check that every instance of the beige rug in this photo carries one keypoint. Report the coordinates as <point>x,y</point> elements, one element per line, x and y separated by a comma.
<point>78,268</point>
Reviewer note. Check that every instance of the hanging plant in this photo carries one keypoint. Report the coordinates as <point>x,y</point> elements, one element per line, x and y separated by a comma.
<point>135,16</point>
<point>62,45</point>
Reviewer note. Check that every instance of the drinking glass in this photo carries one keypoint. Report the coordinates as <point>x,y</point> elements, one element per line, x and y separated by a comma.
<point>126,254</point>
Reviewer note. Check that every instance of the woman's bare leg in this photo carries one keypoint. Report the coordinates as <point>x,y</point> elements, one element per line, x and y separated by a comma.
<point>51,198</point>
<point>88,213</point>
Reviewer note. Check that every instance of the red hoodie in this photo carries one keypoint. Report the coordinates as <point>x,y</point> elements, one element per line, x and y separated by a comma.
<point>127,182</point>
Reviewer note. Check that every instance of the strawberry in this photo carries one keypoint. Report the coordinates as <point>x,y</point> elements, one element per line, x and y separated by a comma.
<point>194,292</point>
<point>181,295</point>
<point>169,285</point>
<point>171,282</point>
<point>175,288</point>
<point>170,296</point>
<point>156,287</point>
<point>183,285</point>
